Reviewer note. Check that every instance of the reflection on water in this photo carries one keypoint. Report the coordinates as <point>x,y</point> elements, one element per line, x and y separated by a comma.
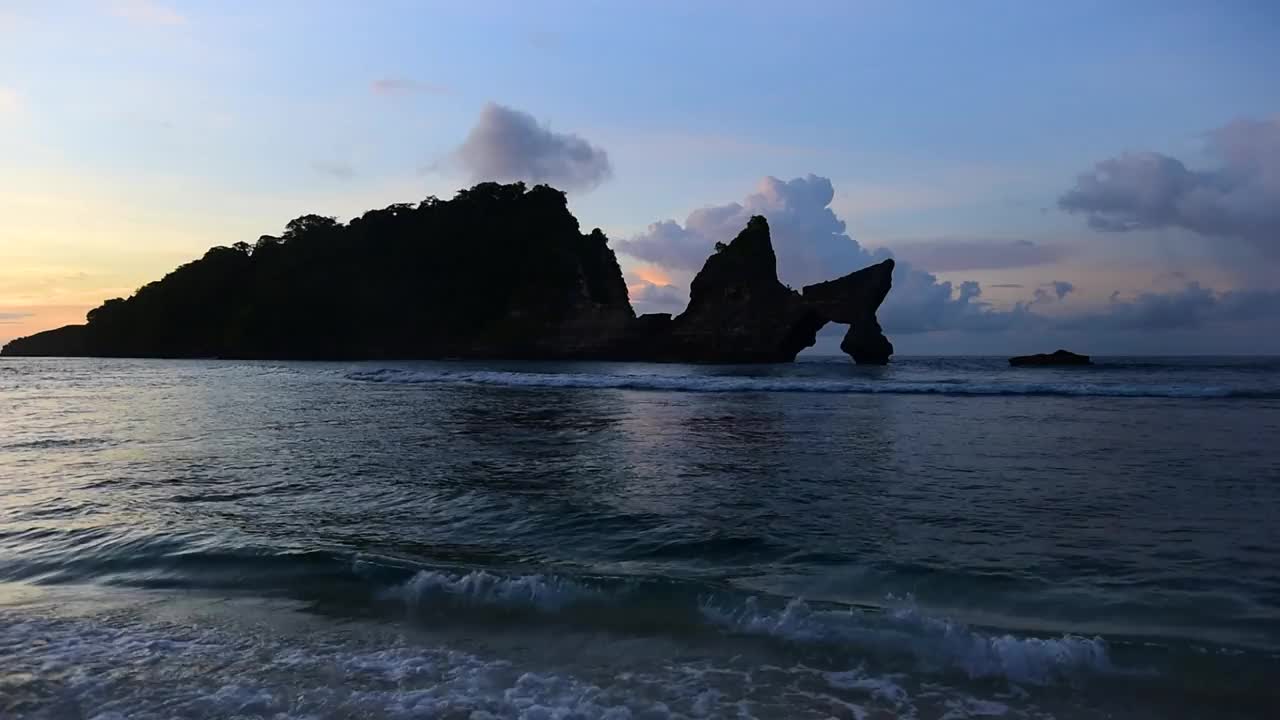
<point>1037,541</point>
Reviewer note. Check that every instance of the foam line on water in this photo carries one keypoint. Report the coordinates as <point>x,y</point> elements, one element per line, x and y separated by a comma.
<point>535,591</point>
<point>936,643</point>
<point>117,667</point>
<point>740,384</point>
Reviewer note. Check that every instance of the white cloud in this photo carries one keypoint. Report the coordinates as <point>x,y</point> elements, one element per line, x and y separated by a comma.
<point>812,245</point>
<point>507,145</point>
<point>1236,200</point>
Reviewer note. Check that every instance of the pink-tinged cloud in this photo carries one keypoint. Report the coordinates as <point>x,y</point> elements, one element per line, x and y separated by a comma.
<point>812,244</point>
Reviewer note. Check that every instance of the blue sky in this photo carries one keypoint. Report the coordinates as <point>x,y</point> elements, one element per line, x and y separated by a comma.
<point>138,133</point>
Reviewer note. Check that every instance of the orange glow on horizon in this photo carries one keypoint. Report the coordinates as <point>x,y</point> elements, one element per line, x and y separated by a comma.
<point>18,322</point>
<point>653,275</point>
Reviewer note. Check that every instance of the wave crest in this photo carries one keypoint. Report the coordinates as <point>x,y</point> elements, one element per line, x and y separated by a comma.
<point>740,384</point>
<point>934,643</point>
<point>547,593</point>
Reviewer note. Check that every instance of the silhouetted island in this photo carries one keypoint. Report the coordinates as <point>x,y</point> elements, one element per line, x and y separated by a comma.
<point>499,271</point>
<point>1058,357</point>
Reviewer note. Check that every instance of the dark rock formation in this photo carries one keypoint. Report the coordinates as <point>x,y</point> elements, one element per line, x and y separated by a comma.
<point>853,300</point>
<point>497,272</point>
<point>66,341</point>
<point>1060,357</point>
<point>738,311</point>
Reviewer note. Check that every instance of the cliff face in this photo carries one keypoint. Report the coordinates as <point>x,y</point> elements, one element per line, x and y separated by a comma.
<point>853,300</point>
<point>738,311</point>
<point>497,272</point>
<point>67,341</point>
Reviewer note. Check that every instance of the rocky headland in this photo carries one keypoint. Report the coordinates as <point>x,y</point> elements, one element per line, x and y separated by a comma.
<point>500,271</point>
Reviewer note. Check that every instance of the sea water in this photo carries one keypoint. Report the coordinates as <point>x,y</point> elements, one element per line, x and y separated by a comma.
<point>939,538</point>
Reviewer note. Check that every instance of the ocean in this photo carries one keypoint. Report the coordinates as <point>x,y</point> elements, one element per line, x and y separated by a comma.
<point>939,538</point>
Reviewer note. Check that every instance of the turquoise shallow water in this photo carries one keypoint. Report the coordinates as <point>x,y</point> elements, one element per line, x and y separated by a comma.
<point>938,538</point>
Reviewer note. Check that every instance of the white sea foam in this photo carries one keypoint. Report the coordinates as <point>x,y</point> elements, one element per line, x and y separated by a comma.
<point>743,384</point>
<point>119,666</point>
<point>935,643</point>
<point>537,591</point>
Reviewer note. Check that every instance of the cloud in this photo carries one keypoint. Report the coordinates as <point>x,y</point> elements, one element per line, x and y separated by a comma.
<point>810,240</point>
<point>647,297</point>
<point>651,289</point>
<point>147,12</point>
<point>812,245</point>
<point>927,314</point>
<point>669,244</point>
<point>9,318</point>
<point>1237,200</point>
<point>1191,307</point>
<point>402,86</point>
<point>507,145</point>
<point>1052,292</point>
<point>956,255</point>
<point>1008,285</point>
<point>339,170</point>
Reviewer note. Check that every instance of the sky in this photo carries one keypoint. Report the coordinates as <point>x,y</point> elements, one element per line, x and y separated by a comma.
<point>1097,175</point>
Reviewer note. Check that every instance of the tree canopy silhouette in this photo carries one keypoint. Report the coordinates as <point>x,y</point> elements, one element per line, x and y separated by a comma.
<point>407,280</point>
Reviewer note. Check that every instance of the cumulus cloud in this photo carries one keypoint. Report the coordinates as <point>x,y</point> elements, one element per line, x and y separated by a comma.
<point>1190,307</point>
<point>813,245</point>
<point>810,240</point>
<point>652,289</point>
<point>508,145</point>
<point>1237,199</point>
<point>960,254</point>
<point>647,297</point>
<point>403,86</point>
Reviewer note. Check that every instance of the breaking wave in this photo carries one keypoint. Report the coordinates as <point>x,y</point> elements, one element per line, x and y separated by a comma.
<point>746,384</point>
<point>537,591</point>
<point>935,643</point>
<point>149,670</point>
<point>932,644</point>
